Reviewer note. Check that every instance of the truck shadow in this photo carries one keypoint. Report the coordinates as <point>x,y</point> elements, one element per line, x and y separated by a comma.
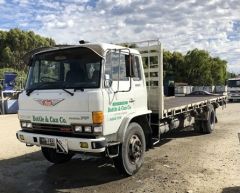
<point>32,173</point>
<point>235,189</point>
<point>79,172</point>
<point>181,133</point>
<point>177,133</point>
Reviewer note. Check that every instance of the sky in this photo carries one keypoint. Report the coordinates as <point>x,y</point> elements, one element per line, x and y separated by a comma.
<point>180,25</point>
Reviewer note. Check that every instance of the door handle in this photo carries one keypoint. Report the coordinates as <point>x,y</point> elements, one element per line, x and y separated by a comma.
<point>131,100</point>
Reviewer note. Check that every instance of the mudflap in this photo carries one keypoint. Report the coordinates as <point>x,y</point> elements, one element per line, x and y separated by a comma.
<point>61,146</point>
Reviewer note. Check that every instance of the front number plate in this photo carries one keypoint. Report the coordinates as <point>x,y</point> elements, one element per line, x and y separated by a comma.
<point>47,141</point>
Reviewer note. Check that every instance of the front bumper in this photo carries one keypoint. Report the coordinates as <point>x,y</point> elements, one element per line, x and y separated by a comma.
<point>73,144</point>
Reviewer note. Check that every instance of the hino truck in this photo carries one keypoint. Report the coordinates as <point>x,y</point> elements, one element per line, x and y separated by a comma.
<point>233,89</point>
<point>107,100</point>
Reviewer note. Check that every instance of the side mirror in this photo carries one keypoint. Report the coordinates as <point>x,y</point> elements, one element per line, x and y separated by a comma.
<point>129,65</point>
<point>107,81</point>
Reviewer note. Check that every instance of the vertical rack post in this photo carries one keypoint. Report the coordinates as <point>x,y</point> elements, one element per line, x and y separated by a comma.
<point>160,82</point>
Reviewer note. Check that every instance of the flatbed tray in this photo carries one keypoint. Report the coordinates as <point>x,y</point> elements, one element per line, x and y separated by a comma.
<point>177,105</point>
<point>173,102</point>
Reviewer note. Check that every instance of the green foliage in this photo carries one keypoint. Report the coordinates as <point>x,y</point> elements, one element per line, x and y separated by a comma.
<point>7,55</point>
<point>197,67</point>
<point>15,43</point>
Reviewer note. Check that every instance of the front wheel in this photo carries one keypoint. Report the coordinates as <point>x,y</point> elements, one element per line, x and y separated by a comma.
<point>57,158</point>
<point>131,151</point>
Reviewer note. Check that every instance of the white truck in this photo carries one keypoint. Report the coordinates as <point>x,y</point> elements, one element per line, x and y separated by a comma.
<point>104,99</point>
<point>233,89</point>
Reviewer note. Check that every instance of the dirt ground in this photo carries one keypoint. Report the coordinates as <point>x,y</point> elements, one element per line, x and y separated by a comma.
<point>183,162</point>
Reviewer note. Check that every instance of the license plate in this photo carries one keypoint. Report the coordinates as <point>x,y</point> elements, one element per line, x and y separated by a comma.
<point>47,141</point>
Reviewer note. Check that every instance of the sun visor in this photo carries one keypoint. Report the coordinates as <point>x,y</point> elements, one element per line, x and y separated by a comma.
<point>95,48</point>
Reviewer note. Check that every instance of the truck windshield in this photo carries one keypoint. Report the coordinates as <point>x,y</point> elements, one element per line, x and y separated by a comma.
<point>233,83</point>
<point>66,68</point>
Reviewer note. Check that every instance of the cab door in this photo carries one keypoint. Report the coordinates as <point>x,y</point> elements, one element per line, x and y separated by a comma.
<point>119,98</point>
<point>138,86</point>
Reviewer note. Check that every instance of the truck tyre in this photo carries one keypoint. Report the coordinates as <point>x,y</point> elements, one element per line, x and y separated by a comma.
<point>131,151</point>
<point>208,125</point>
<point>57,158</point>
<point>198,126</point>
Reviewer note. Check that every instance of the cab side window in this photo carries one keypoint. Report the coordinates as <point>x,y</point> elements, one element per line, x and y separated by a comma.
<point>116,66</point>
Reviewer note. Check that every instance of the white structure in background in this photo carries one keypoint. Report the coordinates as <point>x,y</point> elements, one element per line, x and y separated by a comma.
<point>9,102</point>
<point>182,90</point>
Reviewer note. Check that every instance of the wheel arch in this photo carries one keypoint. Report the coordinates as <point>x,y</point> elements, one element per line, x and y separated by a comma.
<point>142,120</point>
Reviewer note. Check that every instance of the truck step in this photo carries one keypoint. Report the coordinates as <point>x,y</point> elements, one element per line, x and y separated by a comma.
<point>155,141</point>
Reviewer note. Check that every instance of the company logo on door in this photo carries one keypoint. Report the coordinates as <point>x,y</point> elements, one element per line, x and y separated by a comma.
<point>119,106</point>
<point>48,102</point>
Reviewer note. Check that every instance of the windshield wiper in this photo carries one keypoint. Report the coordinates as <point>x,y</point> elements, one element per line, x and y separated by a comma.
<point>30,90</point>
<point>68,91</point>
<point>66,84</point>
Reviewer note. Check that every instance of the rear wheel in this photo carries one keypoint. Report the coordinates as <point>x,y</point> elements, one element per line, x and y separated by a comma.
<point>131,151</point>
<point>57,158</point>
<point>209,124</point>
<point>198,126</point>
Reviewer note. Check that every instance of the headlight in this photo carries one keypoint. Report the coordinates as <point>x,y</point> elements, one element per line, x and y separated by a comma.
<point>78,128</point>
<point>25,124</point>
<point>97,129</point>
<point>88,129</point>
<point>29,125</point>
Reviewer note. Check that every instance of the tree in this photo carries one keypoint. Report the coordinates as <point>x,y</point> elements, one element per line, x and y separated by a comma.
<point>15,43</point>
<point>219,71</point>
<point>197,67</point>
<point>8,56</point>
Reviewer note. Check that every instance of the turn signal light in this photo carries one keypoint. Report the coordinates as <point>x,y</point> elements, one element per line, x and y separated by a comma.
<point>97,117</point>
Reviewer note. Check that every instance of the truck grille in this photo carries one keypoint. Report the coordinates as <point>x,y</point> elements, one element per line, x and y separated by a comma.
<point>57,130</point>
<point>54,128</point>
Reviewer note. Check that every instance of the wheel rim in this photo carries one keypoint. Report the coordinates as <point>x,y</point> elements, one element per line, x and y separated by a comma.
<point>135,149</point>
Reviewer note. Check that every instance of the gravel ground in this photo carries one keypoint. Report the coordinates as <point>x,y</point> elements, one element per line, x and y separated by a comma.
<point>183,162</point>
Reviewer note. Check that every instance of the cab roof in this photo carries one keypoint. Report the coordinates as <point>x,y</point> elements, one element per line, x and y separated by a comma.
<point>98,48</point>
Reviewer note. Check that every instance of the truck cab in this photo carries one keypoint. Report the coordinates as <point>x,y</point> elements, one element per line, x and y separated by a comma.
<point>233,89</point>
<point>90,98</point>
